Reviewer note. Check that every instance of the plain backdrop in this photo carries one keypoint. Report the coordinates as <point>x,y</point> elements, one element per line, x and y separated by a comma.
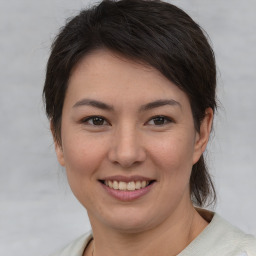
<point>38,213</point>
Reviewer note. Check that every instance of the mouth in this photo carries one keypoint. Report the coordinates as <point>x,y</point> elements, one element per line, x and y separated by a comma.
<point>127,186</point>
<point>127,189</point>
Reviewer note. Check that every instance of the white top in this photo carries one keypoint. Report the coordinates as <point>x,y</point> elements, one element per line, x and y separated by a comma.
<point>219,238</point>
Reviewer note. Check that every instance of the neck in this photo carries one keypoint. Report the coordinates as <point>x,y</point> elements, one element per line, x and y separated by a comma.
<point>167,239</point>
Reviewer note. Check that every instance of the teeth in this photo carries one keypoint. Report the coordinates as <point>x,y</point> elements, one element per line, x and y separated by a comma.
<point>126,186</point>
<point>122,185</point>
<point>115,185</point>
<point>131,185</point>
<point>143,184</point>
<point>110,184</point>
<point>138,185</point>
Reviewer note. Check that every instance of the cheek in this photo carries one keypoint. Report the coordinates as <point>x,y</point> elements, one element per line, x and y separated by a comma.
<point>174,154</point>
<point>82,154</point>
<point>173,159</point>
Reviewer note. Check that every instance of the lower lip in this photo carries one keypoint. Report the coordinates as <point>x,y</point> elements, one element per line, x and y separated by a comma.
<point>127,195</point>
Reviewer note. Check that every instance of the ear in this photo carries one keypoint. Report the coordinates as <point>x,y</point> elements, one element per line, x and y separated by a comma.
<point>203,136</point>
<point>58,147</point>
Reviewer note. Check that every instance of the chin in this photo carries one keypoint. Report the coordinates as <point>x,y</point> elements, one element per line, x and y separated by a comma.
<point>129,220</point>
<point>131,226</point>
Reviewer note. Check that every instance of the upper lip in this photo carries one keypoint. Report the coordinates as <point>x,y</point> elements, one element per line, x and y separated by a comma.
<point>127,178</point>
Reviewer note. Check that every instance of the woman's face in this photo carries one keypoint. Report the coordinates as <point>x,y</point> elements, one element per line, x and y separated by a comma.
<point>124,127</point>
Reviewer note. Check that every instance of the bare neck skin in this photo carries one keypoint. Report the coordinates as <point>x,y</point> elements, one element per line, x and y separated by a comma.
<point>168,239</point>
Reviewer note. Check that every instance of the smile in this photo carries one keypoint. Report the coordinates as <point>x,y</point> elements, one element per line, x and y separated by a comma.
<point>126,186</point>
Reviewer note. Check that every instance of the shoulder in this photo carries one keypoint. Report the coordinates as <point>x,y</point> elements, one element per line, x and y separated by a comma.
<point>229,239</point>
<point>76,248</point>
<point>249,245</point>
<point>221,238</point>
<point>233,238</point>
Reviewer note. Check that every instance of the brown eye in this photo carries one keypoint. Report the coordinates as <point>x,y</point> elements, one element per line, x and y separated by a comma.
<point>95,121</point>
<point>159,120</point>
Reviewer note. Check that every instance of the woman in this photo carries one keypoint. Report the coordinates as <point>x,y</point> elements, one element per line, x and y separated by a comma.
<point>130,94</point>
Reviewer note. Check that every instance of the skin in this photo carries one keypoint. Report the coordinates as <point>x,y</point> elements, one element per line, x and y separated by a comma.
<point>129,142</point>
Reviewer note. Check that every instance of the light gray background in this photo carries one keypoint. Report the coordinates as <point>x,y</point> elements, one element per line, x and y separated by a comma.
<point>38,213</point>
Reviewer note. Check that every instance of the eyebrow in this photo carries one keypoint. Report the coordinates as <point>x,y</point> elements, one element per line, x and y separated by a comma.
<point>94,103</point>
<point>159,103</point>
<point>145,107</point>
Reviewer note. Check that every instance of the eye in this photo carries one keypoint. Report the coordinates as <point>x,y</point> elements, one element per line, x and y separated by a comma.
<point>159,120</point>
<point>95,121</point>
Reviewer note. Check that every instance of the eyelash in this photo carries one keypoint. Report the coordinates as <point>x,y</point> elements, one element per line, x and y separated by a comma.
<point>154,118</point>
<point>86,120</point>
<point>167,120</point>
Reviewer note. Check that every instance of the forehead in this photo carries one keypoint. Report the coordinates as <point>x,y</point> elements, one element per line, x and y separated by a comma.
<point>107,76</point>
<point>104,63</point>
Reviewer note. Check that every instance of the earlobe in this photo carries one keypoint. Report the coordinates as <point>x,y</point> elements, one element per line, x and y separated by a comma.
<point>203,136</point>
<point>58,148</point>
<point>59,153</point>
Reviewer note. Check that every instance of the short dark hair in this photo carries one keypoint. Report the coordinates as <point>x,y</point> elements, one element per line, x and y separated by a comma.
<point>152,32</point>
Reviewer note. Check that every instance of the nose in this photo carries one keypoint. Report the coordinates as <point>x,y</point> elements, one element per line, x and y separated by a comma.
<point>126,147</point>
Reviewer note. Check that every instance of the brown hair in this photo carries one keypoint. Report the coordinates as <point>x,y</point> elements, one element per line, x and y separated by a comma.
<point>152,32</point>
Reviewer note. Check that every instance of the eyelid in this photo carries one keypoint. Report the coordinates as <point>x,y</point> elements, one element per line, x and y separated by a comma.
<point>88,118</point>
<point>170,120</point>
